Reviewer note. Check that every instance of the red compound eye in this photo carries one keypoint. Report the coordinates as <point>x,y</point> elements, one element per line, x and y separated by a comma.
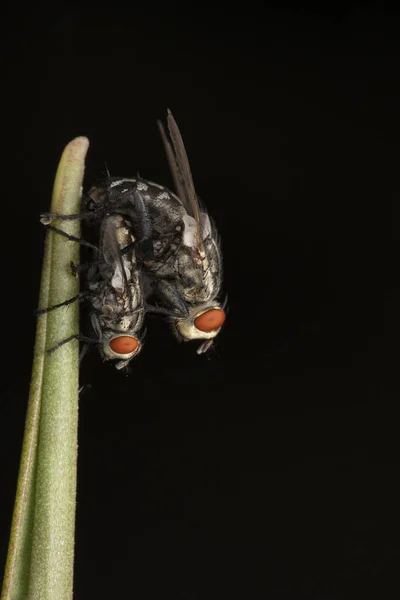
<point>124,344</point>
<point>210,320</point>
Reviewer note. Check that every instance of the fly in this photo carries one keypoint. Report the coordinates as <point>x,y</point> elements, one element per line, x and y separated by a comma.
<point>113,292</point>
<point>197,268</point>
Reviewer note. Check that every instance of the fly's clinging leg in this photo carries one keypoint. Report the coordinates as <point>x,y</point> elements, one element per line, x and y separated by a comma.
<point>72,238</point>
<point>167,292</point>
<point>82,296</point>
<point>76,336</point>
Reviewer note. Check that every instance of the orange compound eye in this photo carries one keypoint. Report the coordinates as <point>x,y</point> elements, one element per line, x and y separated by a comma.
<point>124,344</point>
<point>210,320</point>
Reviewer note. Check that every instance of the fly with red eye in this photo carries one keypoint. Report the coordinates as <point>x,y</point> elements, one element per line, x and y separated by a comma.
<point>117,305</point>
<point>189,281</point>
<point>113,293</point>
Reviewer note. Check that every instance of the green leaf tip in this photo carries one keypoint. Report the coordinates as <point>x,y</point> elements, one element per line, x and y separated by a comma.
<point>41,549</point>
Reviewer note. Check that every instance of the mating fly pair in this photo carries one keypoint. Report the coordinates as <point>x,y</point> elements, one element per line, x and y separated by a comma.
<point>154,246</point>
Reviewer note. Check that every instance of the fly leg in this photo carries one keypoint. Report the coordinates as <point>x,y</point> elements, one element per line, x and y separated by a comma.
<point>72,238</point>
<point>143,249</point>
<point>142,226</point>
<point>82,296</point>
<point>168,293</point>
<point>47,218</point>
<point>77,336</point>
<point>83,267</point>
<point>163,312</point>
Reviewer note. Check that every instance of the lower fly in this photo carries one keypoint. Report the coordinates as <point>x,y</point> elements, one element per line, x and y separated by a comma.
<point>113,293</point>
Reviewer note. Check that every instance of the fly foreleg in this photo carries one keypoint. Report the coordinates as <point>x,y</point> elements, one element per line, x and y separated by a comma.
<point>168,294</point>
<point>47,218</point>
<point>83,267</point>
<point>77,336</point>
<point>72,238</point>
<point>151,309</point>
<point>142,227</point>
<point>82,296</point>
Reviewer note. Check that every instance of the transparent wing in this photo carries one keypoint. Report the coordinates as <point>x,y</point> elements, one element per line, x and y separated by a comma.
<point>181,172</point>
<point>111,246</point>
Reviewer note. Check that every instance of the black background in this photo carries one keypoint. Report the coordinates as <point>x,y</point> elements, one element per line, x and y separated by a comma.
<point>268,469</point>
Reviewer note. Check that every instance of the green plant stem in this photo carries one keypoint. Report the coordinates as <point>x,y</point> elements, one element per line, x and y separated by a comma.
<point>40,556</point>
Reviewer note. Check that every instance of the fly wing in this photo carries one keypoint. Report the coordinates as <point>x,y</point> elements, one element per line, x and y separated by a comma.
<point>181,173</point>
<point>112,255</point>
